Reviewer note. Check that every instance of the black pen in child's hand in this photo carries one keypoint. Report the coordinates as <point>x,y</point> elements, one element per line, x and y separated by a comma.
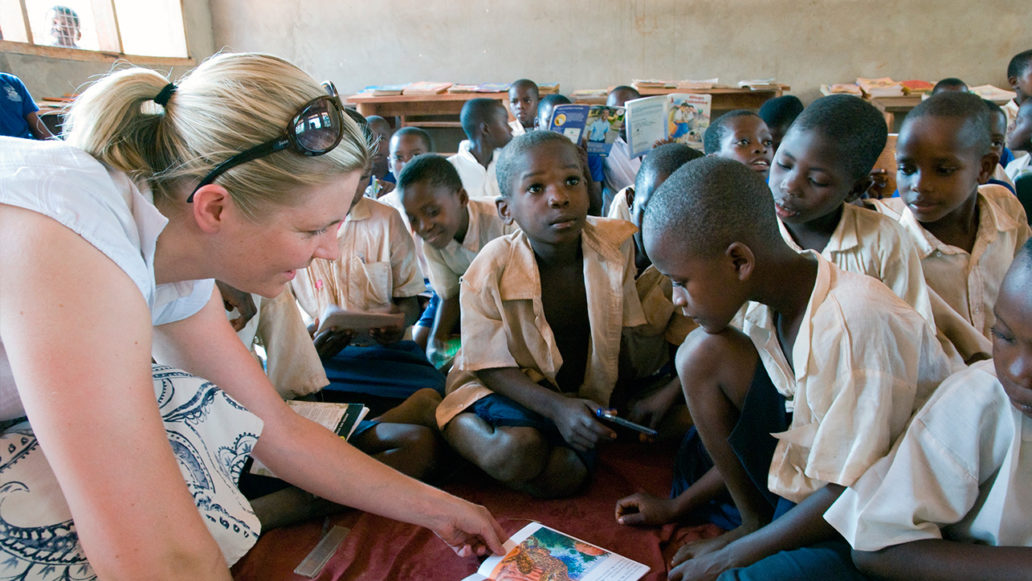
<point>610,415</point>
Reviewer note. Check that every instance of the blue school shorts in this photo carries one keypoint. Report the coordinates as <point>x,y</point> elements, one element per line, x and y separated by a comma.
<point>763,413</point>
<point>502,412</point>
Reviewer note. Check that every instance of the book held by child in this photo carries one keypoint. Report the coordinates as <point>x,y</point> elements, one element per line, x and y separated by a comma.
<point>597,125</point>
<point>340,418</point>
<point>682,117</point>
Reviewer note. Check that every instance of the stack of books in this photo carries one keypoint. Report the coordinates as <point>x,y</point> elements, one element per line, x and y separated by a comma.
<point>916,87</point>
<point>425,88</point>
<point>881,87</point>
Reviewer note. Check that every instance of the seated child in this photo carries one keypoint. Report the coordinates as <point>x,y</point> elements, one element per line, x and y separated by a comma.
<point>779,113</point>
<point>405,144</point>
<point>375,272</point>
<point>950,84</point>
<point>823,377</point>
<point>646,356</point>
<point>1019,75</point>
<point>952,501</point>
<point>998,139</point>
<point>485,123</point>
<point>1020,139</point>
<point>966,235</point>
<point>543,310</point>
<point>382,175</point>
<point>523,103</point>
<point>743,136</point>
<point>545,106</point>
<point>823,163</point>
<point>453,229</point>
<point>619,168</point>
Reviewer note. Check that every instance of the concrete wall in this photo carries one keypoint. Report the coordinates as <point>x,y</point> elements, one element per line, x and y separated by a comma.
<point>598,43</point>
<point>52,77</point>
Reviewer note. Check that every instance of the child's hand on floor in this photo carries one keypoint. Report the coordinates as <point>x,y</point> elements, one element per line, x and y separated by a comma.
<point>576,421</point>
<point>642,508</point>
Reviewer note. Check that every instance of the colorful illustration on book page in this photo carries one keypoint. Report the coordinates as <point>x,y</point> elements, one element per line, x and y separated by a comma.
<point>688,116</point>
<point>548,556</point>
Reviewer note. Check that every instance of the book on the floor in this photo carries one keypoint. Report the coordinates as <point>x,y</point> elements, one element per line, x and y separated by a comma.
<point>598,124</point>
<point>339,418</point>
<point>682,117</point>
<point>540,552</point>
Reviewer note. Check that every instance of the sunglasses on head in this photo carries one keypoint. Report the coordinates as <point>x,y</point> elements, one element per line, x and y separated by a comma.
<point>316,129</point>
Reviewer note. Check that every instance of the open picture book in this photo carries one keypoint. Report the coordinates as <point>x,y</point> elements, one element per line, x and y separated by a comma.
<point>539,552</point>
<point>598,125</point>
<point>339,418</point>
<point>682,117</point>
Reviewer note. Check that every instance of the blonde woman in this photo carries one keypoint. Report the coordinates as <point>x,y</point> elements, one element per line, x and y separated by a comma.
<point>108,244</point>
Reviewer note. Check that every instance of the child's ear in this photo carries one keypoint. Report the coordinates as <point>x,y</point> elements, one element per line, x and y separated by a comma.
<point>743,260</point>
<point>463,197</point>
<point>988,167</point>
<point>209,207</point>
<point>502,204</point>
<point>629,196</point>
<point>1013,82</point>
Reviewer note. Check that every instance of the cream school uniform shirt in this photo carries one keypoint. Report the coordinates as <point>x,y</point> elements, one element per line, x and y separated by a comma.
<point>618,209</point>
<point>377,264</point>
<point>517,128</point>
<point>863,362</point>
<point>869,243</point>
<point>969,282</point>
<point>446,265</point>
<point>503,318</point>
<point>478,181</point>
<point>962,472</point>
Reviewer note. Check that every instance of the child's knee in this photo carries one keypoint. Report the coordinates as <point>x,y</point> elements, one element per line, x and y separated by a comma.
<point>519,454</point>
<point>704,359</point>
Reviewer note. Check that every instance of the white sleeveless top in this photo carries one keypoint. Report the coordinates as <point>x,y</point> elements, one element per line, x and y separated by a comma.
<point>104,207</point>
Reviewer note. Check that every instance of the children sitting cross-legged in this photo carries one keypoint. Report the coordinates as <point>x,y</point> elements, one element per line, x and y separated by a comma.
<point>523,103</point>
<point>486,125</point>
<point>823,377</point>
<point>966,234</point>
<point>543,310</point>
<point>952,500</point>
<point>741,135</point>
<point>453,229</point>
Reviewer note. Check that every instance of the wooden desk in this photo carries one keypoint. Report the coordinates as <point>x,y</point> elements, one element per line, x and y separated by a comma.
<point>421,110</point>
<point>890,106</point>
<point>724,98</point>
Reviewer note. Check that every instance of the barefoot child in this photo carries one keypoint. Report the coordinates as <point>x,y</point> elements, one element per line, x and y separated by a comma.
<point>543,311</point>
<point>850,358</point>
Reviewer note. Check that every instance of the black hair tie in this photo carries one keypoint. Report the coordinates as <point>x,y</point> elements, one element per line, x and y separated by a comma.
<point>165,94</point>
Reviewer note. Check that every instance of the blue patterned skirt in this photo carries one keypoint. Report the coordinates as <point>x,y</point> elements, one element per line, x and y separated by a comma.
<point>211,436</point>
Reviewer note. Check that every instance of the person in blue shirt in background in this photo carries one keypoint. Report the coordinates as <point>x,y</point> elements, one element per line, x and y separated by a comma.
<point>18,117</point>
